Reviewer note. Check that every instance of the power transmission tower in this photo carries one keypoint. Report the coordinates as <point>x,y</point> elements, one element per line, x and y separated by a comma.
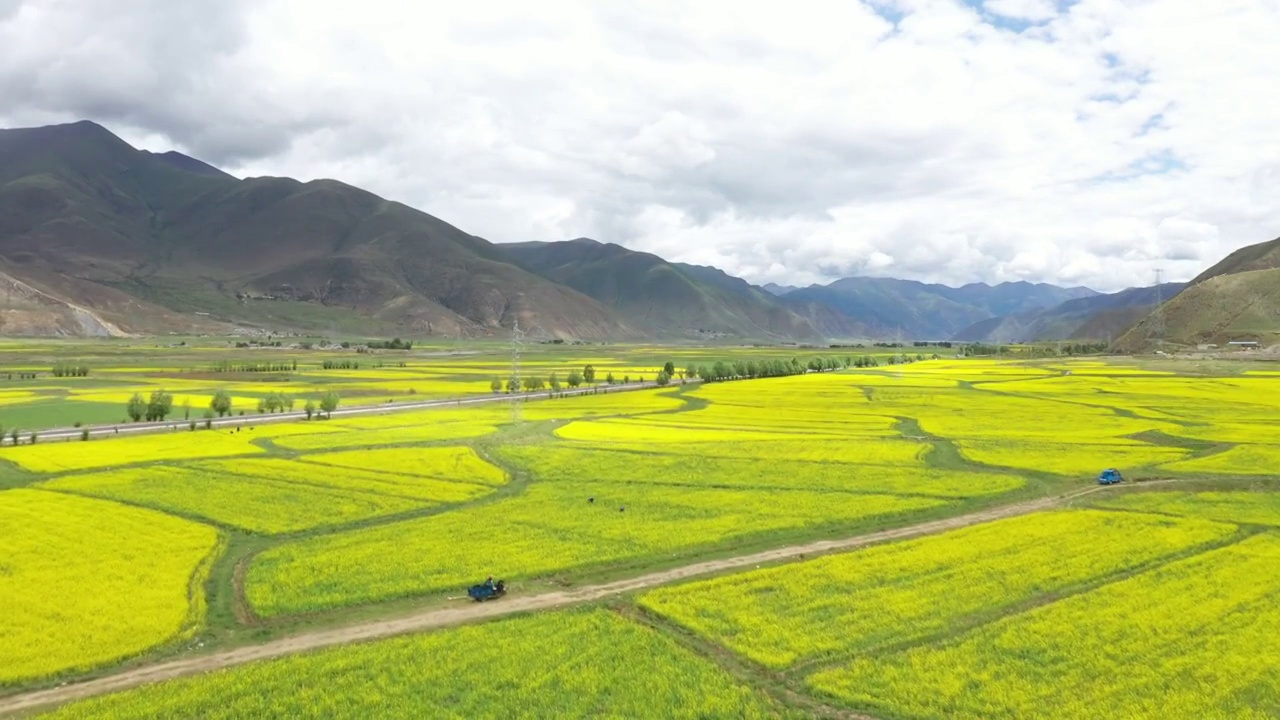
<point>1157,317</point>
<point>517,343</point>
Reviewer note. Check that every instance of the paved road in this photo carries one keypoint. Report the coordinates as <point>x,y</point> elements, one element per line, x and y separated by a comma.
<point>468,611</point>
<point>98,431</point>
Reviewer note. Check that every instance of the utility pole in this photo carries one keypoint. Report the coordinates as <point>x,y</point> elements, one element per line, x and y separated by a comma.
<point>1157,317</point>
<point>517,341</point>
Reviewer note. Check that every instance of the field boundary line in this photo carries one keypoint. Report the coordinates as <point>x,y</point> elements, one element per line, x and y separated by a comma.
<point>472,612</point>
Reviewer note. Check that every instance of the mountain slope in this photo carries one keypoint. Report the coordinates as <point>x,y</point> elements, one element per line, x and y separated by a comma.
<point>92,221</point>
<point>1236,299</point>
<point>1262,256</point>
<point>920,311</point>
<point>665,298</point>
<point>1095,317</point>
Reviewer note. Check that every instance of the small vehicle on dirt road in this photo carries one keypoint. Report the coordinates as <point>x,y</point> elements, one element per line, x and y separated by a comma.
<point>1110,476</point>
<point>488,590</point>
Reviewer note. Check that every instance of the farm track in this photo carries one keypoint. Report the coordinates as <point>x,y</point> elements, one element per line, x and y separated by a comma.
<point>445,617</point>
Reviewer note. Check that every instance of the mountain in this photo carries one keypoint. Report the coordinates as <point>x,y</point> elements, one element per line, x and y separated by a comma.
<point>104,238</point>
<point>1094,317</point>
<point>669,299</point>
<point>779,290</point>
<point>919,311</point>
<point>1236,299</point>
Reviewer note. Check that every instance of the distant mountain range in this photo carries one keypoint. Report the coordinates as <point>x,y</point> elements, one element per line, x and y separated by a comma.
<point>915,310</point>
<point>1094,317</point>
<point>668,299</point>
<point>99,238</point>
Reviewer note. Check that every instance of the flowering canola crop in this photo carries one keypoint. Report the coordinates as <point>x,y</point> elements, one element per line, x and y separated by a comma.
<point>1192,639</point>
<point>553,665</point>
<point>82,583</point>
<point>859,601</point>
<point>550,528</point>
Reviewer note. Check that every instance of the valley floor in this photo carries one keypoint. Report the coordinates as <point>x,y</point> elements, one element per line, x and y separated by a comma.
<point>839,543</point>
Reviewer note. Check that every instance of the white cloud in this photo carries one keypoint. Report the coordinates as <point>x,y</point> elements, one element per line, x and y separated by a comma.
<point>790,142</point>
<point>1032,10</point>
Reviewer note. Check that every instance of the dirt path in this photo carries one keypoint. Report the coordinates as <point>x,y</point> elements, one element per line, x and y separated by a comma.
<point>472,611</point>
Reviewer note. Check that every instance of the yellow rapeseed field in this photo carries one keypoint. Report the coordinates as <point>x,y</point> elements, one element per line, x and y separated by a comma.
<point>551,527</point>
<point>363,482</point>
<point>385,436</point>
<point>1239,460</point>
<point>1080,459</point>
<point>1192,639</point>
<point>856,602</point>
<point>553,665</point>
<point>908,476</point>
<point>53,457</point>
<point>877,451</point>
<point>256,504</point>
<point>87,582</point>
<point>457,464</point>
<point>1249,508</point>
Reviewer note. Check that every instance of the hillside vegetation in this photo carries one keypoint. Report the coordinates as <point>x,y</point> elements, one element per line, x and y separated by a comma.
<point>1236,299</point>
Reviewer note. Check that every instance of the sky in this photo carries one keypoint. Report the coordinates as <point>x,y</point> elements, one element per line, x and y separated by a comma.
<point>1082,142</point>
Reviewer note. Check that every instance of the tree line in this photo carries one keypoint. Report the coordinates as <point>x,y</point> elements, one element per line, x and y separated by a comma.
<point>62,370</point>
<point>573,380</point>
<point>159,405</point>
<point>226,366</point>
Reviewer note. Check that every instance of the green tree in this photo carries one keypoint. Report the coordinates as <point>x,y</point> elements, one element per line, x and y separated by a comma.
<point>626,379</point>
<point>691,371</point>
<point>554,381</point>
<point>513,385</point>
<point>609,379</point>
<point>575,379</point>
<point>329,403</point>
<point>186,408</point>
<point>13,435</point>
<point>136,408</point>
<point>160,405</point>
<point>495,385</point>
<point>309,408</point>
<point>221,403</point>
<point>589,374</point>
<point>533,384</point>
<point>663,378</point>
<point>669,369</point>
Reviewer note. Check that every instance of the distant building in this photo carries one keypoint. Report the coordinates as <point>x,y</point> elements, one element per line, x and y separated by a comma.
<point>1243,343</point>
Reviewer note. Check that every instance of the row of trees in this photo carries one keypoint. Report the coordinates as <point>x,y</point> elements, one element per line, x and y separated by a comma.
<point>62,370</point>
<point>159,405</point>
<point>275,402</point>
<point>395,344</point>
<point>575,379</point>
<point>156,408</point>
<point>226,366</point>
<point>340,364</point>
